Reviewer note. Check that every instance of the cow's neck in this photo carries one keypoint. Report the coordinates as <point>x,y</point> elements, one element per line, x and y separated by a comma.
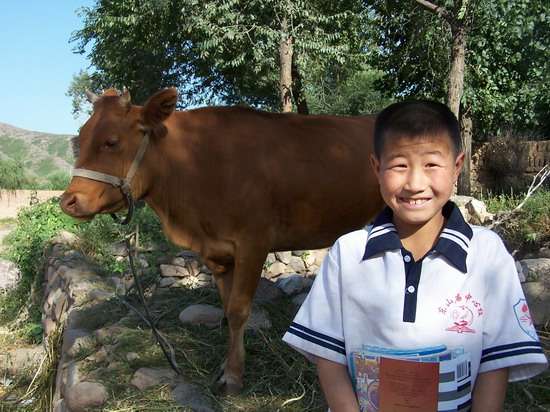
<point>169,204</point>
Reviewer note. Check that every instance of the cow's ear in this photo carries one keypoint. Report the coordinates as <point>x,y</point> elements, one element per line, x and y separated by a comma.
<point>159,107</point>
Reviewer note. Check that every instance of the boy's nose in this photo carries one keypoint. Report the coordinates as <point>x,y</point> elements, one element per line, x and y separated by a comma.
<point>416,180</point>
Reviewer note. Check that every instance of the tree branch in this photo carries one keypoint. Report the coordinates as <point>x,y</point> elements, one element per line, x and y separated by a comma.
<point>541,177</point>
<point>538,180</point>
<point>434,8</point>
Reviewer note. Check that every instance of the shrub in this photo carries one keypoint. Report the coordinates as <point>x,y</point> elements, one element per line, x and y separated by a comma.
<point>506,159</point>
<point>35,228</point>
<point>59,181</point>
<point>529,227</point>
<point>13,175</point>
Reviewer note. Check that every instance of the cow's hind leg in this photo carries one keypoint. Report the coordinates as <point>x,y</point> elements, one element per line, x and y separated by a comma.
<point>237,292</point>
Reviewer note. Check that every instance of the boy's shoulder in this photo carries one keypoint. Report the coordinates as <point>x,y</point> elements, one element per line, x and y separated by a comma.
<point>483,234</point>
<point>487,246</point>
<point>353,241</point>
<point>355,236</point>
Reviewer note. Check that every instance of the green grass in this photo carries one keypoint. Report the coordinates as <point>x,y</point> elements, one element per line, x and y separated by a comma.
<point>45,167</point>
<point>61,147</point>
<point>14,148</point>
<point>529,228</point>
<point>276,375</point>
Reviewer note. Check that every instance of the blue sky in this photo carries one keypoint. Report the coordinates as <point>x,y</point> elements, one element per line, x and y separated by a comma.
<point>37,63</point>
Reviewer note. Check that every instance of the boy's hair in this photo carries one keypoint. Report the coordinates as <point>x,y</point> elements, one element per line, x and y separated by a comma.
<point>417,118</point>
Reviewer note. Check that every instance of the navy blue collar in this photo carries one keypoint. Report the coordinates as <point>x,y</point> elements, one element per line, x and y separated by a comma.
<point>453,242</point>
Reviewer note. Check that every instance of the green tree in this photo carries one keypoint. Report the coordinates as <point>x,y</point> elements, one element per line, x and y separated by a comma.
<point>59,181</point>
<point>134,44</point>
<point>14,175</point>
<point>354,94</point>
<point>418,51</point>
<point>254,52</point>
<point>77,91</point>
<point>277,44</point>
<point>508,63</point>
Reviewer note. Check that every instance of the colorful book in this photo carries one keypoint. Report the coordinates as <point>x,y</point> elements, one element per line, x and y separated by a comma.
<point>425,379</point>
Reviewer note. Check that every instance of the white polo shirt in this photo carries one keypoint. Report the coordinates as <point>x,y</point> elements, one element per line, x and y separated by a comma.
<point>464,293</point>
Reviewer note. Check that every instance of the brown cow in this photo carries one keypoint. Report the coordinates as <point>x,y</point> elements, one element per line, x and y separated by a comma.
<point>230,183</point>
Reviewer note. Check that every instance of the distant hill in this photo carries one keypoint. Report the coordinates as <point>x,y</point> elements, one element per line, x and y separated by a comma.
<point>44,154</point>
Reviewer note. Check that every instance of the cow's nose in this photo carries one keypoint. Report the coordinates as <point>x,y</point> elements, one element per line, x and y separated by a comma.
<point>67,202</point>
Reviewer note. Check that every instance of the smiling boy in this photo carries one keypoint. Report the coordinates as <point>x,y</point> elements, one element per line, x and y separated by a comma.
<point>420,275</point>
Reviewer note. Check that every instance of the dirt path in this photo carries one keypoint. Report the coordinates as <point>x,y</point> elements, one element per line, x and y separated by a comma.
<point>11,202</point>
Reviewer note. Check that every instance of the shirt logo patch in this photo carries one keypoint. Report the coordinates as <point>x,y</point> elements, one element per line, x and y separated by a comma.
<point>461,311</point>
<point>524,319</point>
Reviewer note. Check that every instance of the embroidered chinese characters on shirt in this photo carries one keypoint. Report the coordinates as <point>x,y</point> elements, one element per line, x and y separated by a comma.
<point>461,310</point>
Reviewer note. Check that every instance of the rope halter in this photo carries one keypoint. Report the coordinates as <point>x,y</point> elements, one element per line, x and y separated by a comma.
<point>123,183</point>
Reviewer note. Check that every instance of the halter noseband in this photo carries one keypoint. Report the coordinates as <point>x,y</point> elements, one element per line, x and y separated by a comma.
<point>123,183</point>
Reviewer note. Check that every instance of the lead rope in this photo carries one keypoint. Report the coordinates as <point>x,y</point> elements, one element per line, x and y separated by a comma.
<point>125,185</point>
<point>167,349</point>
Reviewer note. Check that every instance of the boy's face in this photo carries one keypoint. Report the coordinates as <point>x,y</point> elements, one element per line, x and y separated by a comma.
<point>416,177</point>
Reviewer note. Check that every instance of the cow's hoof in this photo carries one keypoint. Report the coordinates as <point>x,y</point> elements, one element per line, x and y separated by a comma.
<point>232,389</point>
<point>229,383</point>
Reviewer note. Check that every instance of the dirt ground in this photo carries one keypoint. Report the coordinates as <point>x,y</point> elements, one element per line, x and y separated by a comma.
<point>10,202</point>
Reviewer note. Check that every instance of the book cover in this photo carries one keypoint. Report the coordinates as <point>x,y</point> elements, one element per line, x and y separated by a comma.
<point>408,385</point>
<point>448,371</point>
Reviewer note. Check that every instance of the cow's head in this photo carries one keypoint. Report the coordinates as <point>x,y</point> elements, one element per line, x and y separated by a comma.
<point>107,144</point>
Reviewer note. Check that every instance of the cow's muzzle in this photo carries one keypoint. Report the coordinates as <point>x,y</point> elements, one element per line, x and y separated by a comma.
<point>125,184</point>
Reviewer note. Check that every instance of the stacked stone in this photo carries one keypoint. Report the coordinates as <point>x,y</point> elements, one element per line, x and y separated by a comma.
<point>72,283</point>
<point>185,271</point>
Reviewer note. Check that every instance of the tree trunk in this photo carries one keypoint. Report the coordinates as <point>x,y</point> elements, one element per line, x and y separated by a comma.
<point>455,81</point>
<point>455,87</point>
<point>299,98</point>
<point>458,22</point>
<point>464,180</point>
<point>285,58</point>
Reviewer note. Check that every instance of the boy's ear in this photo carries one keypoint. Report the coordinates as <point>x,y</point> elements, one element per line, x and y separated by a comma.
<point>459,162</point>
<point>375,163</point>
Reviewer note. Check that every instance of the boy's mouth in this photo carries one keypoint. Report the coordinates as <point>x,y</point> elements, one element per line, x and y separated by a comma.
<point>415,201</point>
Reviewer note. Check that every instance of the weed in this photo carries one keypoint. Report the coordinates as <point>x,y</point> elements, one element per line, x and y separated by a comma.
<point>530,226</point>
<point>35,227</point>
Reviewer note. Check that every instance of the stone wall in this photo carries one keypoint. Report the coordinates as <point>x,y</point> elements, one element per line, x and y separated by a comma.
<point>72,285</point>
<point>537,155</point>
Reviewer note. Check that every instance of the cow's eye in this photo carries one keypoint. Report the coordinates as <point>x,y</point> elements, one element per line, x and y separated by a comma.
<point>111,143</point>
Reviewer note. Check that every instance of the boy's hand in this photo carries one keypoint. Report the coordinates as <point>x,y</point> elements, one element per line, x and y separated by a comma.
<point>489,391</point>
<point>337,386</point>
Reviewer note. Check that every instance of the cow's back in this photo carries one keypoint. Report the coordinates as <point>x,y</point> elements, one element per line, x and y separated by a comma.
<point>308,179</point>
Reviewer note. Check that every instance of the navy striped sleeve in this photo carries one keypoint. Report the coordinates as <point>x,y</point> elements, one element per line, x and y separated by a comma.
<point>317,338</point>
<point>511,350</point>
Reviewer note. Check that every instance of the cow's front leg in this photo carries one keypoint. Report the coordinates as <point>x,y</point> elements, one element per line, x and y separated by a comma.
<point>237,292</point>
